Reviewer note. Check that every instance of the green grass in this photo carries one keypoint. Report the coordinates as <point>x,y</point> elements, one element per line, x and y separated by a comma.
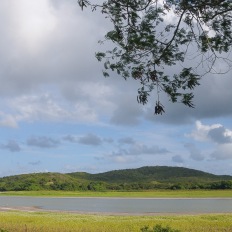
<point>16,221</point>
<point>146,194</point>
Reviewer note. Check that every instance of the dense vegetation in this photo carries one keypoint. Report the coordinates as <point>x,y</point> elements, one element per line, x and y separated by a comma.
<point>145,178</point>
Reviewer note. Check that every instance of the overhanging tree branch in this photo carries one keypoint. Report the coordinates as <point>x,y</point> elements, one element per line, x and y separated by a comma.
<point>146,42</point>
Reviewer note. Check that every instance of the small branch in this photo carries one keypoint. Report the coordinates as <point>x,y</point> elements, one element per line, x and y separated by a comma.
<point>173,37</point>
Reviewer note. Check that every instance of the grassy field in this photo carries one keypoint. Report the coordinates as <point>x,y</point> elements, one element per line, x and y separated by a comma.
<point>16,221</point>
<point>145,194</point>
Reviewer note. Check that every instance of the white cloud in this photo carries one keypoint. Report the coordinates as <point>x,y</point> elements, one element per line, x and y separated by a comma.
<point>223,152</point>
<point>34,21</point>
<point>45,107</point>
<point>96,95</point>
<point>217,135</point>
<point>228,133</point>
<point>201,132</point>
<point>220,135</point>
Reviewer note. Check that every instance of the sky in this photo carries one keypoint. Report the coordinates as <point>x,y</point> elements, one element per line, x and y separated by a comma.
<point>59,114</point>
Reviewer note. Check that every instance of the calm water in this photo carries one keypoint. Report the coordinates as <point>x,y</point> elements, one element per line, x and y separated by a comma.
<point>119,205</point>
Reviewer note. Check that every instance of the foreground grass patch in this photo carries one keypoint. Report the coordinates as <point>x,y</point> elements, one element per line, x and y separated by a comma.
<point>146,194</point>
<point>16,221</point>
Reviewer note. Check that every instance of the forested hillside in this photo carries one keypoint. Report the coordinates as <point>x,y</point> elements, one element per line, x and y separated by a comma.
<point>156,173</point>
<point>144,178</point>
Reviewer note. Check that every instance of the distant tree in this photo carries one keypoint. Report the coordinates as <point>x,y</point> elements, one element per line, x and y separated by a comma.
<point>96,186</point>
<point>152,36</point>
<point>221,185</point>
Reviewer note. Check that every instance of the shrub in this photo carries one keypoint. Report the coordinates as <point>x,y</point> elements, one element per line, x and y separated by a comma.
<point>159,228</point>
<point>2,230</point>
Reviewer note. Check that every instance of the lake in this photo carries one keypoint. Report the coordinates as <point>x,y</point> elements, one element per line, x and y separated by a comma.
<point>120,205</point>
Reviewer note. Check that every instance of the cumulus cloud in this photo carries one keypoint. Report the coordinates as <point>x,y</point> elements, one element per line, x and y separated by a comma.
<point>90,139</point>
<point>220,135</point>
<point>45,107</point>
<point>195,153</point>
<point>11,145</point>
<point>43,142</point>
<point>216,133</point>
<point>207,132</point>
<point>223,152</point>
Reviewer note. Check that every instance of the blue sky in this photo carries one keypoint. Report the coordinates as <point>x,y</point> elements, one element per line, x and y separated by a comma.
<point>59,114</point>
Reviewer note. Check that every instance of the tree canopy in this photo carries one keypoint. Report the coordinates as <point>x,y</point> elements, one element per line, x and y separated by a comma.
<point>166,45</point>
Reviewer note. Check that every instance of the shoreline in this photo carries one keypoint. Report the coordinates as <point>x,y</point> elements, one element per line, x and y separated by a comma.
<point>122,198</point>
<point>177,194</point>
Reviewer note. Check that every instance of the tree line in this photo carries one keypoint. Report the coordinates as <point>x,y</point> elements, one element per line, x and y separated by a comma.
<point>56,184</point>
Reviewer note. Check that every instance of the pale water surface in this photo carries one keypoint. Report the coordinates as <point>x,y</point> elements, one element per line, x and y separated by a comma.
<point>121,205</point>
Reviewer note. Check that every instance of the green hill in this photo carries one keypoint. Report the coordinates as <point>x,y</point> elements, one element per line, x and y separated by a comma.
<point>39,181</point>
<point>157,177</point>
<point>156,173</point>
